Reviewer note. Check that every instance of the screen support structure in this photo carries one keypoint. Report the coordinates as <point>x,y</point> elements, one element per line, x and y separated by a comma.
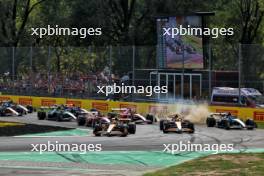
<point>182,77</point>
<point>176,80</point>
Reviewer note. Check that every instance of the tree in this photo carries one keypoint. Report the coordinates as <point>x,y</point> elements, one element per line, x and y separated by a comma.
<point>251,14</point>
<point>13,21</point>
<point>246,18</point>
<point>120,14</point>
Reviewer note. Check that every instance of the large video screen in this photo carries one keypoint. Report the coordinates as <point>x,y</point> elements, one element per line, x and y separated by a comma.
<point>180,50</point>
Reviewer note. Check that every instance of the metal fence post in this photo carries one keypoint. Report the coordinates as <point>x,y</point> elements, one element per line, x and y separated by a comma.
<point>182,77</point>
<point>210,69</point>
<point>13,63</point>
<point>49,63</point>
<point>13,69</point>
<point>31,70</point>
<point>110,63</point>
<point>31,55</point>
<point>133,69</point>
<point>133,65</point>
<point>239,72</point>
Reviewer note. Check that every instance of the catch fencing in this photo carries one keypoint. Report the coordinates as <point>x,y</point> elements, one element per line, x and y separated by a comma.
<point>75,72</point>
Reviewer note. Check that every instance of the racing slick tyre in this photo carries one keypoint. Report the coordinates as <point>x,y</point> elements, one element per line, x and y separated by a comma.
<point>93,123</point>
<point>30,108</point>
<point>112,115</point>
<point>151,118</point>
<point>210,122</point>
<point>250,124</point>
<point>161,125</point>
<point>132,128</point>
<point>165,131</point>
<point>2,112</point>
<point>80,121</point>
<point>226,124</point>
<point>165,127</point>
<point>41,115</point>
<point>124,132</point>
<point>191,127</point>
<point>59,118</point>
<point>20,111</point>
<point>97,129</point>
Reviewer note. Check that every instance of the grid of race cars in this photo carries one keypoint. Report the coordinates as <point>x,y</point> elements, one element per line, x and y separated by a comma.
<point>123,121</point>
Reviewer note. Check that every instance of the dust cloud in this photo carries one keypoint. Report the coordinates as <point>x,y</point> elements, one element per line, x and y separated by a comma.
<point>196,113</point>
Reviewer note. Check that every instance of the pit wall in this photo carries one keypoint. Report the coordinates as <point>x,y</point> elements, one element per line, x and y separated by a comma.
<point>143,108</point>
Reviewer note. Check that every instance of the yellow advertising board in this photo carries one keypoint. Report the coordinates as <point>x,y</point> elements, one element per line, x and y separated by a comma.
<point>143,108</point>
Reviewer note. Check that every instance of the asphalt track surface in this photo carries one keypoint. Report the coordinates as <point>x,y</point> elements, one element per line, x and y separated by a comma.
<point>147,138</point>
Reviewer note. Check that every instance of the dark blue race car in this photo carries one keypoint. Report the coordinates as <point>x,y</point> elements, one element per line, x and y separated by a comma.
<point>228,121</point>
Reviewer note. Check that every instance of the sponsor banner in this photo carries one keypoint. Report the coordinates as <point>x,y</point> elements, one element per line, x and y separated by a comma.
<point>143,108</point>
<point>48,102</point>
<point>258,116</point>
<point>129,106</point>
<point>100,106</point>
<point>158,110</point>
<point>4,98</point>
<point>25,101</point>
<point>233,112</point>
<point>74,103</point>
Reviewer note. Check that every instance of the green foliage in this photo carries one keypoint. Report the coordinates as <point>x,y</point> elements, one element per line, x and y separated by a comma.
<point>124,22</point>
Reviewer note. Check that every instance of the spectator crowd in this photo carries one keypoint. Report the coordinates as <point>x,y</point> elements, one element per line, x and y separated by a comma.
<point>54,84</point>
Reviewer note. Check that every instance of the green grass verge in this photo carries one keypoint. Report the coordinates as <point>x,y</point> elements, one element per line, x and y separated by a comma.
<point>221,164</point>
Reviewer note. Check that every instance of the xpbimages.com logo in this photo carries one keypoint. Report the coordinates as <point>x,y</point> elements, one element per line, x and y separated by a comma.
<point>123,89</point>
<point>191,147</point>
<point>181,31</point>
<point>63,31</point>
<point>60,147</point>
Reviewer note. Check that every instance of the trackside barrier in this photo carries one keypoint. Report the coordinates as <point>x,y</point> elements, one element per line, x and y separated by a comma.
<point>155,108</point>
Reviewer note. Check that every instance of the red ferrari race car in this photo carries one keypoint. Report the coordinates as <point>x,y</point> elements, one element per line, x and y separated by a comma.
<point>131,114</point>
<point>89,118</point>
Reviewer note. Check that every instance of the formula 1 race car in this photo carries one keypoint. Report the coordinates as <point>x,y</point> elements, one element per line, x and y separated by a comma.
<point>135,117</point>
<point>176,123</point>
<point>228,121</point>
<point>8,108</point>
<point>88,118</point>
<point>59,113</point>
<point>114,126</point>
